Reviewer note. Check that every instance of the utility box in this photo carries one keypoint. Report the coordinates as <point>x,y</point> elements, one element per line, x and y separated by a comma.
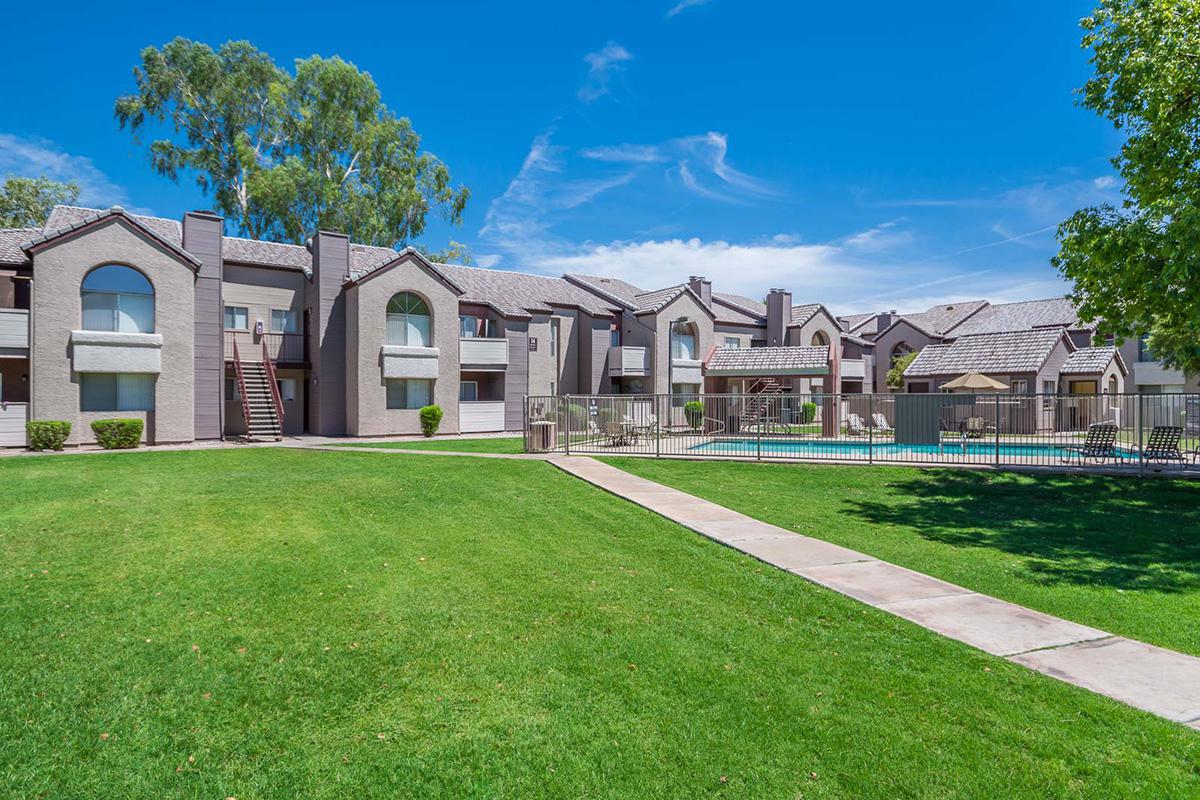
<point>543,435</point>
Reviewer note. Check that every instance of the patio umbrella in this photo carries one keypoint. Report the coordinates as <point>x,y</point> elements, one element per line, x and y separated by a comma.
<point>975,381</point>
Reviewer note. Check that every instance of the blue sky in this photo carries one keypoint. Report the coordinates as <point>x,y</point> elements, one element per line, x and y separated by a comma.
<point>868,155</point>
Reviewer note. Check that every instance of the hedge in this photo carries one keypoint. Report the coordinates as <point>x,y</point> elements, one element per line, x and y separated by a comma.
<point>118,434</point>
<point>431,418</point>
<point>47,434</point>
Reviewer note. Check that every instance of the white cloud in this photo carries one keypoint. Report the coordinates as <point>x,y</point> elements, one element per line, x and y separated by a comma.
<point>32,157</point>
<point>625,153</point>
<point>1104,182</point>
<point>711,149</point>
<point>684,5</point>
<point>883,236</point>
<point>602,65</point>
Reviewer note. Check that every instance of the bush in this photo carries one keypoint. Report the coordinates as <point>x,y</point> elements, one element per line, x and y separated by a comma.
<point>118,434</point>
<point>693,410</point>
<point>431,418</point>
<point>808,412</point>
<point>47,434</point>
<point>579,416</point>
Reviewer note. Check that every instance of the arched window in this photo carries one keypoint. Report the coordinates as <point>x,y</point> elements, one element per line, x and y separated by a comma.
<point>683,341</point>
<point>407,320</point>
<point>819,339</point>
<point>117,298</point>
<point>900,350</point>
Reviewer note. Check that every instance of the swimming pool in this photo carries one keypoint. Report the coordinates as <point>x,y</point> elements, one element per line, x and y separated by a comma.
<point>977,451</point>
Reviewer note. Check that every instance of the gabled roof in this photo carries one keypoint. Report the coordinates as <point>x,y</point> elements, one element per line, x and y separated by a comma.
<point>655,301</point>
<point>521,294</point>
<point>266,254</point>
<point>367,262</point>
<point>1002,353</point>
<point>611,288</point>
<point>1055,312</point>
<point>802,314</point>
<point>1093,360</point>
<point>12,240</point>
<point>858,340</point>
<point>852,322</point>
<point>768,361</point>
<point>734,308</point>
<point>939,319</point>
<point>66,220</point>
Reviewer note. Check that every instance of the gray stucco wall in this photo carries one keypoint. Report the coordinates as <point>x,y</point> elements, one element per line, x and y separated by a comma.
<point>58,272</point>
<point>516,377</point>
<point>326,303</point>
<point>685,305</point>
<point>261,290</point>
<point>903,332</point>
<point>202,237</point>
<point>367,413</point>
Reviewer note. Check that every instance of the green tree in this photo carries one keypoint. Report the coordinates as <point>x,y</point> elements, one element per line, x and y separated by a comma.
<point>283,155</point>
<point>26,202</point>
<point>1137,267</point>
<point>895,375</point>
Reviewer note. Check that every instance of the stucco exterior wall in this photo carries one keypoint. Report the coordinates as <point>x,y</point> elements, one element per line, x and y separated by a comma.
<point>743,334</point>
<point>261,290</point>
<point>367,413</point>
<point>685,305</point>
<point>56,311</point>
<point>540,364</point>
<point>901,332</point>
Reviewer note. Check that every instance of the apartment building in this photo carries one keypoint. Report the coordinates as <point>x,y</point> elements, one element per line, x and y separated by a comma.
<point>105,313</point>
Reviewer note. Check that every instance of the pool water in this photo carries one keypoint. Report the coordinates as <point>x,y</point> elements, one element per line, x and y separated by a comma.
<point>818,448</point>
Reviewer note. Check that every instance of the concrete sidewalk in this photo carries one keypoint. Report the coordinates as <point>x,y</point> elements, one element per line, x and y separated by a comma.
<point>1153,679</point>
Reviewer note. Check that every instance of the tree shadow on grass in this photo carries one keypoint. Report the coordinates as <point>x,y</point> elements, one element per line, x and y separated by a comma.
<point>1127,534</point>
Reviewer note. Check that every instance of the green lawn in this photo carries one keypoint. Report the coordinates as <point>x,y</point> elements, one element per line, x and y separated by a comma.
<point>1120,554</point>
<point>275,623</point>
<point>504,444</point>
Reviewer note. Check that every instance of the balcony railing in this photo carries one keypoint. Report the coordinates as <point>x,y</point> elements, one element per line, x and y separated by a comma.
<point>483,352</point>
<point>14,327</point>
<point>627,362</point>
<point>478,416</point>
<point>282,348</point>
<point>853,368</point>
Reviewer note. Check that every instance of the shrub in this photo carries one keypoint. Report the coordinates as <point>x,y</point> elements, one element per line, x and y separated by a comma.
<point>693,410</point>
<point>808,412</point>
<point>431,418</point>
<point>47,434</point>
<point>118,434</point>
<point>579,416</point>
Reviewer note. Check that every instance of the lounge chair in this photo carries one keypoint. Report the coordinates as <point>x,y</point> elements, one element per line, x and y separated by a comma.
<point>855,425</point>
<point>1099,444</point>
<point>1163,444</point>
<point>881,423</point>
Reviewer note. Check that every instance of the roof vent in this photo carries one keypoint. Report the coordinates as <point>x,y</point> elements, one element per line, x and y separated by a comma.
<point>116,209</point>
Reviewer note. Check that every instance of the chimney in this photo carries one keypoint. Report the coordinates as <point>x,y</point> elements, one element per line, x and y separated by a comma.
<point>883,320</point>
<point>325,311</point>
<point>203,232</point>
<point>779,316</point>
<point>702,287</point>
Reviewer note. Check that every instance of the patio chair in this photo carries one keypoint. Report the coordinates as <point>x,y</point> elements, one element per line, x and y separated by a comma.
<point>881,423</point>
<point>855,425</point>
<point>617,433</point>
<point>1163,444</point>
<point>976,427</point>
<point>1100,444</point>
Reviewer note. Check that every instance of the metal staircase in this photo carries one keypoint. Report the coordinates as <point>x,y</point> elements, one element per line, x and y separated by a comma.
<point>761,404</point>
<point>262,408</point>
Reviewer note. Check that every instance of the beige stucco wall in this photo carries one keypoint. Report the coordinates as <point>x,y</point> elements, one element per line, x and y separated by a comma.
<point>293,411</point>
<point>58,272</point>
<point>901,332</point>
<point>367,413</point>
<point>261,290</point>
<point>685,305</point>
<point>743,334</point>
<point>802,336</point>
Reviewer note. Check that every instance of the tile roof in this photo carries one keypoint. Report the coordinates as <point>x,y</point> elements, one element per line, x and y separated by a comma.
<point>742,303</point>
<point>727,309</point>
<point>852,322</point>
<point>995,353</point>
<point>520,294</point>
<point>1053,312</point>
<point>651,301</point>
<point>802,314</point>
<point>267,254</point>
<point>940,319</point>
<point>11,242</point>
<point>768,360</point>
<point>64,219</point>
<point>613,288</point>
<point>1087,360</point>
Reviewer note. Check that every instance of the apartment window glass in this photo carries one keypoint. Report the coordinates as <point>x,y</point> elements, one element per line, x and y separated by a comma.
<point>231,391</point>
<point>468,391</point>
<point>287,389</point>
<point>614,336</point>
<point>283,320</point>
<point>407,320</point>
<point>408,393</point>
<point>554,331</point>
<point>683,342</point>
<point>1049,389</point>
<point>117,298</point>
<point>1019,386</point>
<point>468,327</point>
<point>115,392</point>
<point>237,318</point>
<point>733,341</point>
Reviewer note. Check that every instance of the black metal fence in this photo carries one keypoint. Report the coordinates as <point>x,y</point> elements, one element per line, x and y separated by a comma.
<point>1133,431</point>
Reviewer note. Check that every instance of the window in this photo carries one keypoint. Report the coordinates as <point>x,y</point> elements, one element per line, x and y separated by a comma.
<point>614,336</point>
<point>554,331</point>
<point>819,339</point>
<point>117,298</point>
<point>237,318</point>
<point>1049,389</point>
<point>468,391</point>
<point>683,342</point>
<point>231,390</point>
<point>408,393</point>
<point>733,341</point>
<point>553,388</point>
<point>287,389</point>
<point>115,392</point>
<point>283,320</point>
<point>407,321</point>
<point>477,327</point>
<point>1019,386</point>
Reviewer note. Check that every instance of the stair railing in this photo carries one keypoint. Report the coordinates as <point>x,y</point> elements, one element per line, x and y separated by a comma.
<point>241,383</point>
<point>276,399</point>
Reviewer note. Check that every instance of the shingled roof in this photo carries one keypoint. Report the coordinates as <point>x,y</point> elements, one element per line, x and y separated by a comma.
<point>67,219</point>
<point>1092,360</point>
<point>768,361</point>
<point>521,294</point>
<point>11,242</point>
<point>613,288</point>
<point>939,319</point>
<point>266,254</point>
<point>1055,312</point>
<point>1002,353</point>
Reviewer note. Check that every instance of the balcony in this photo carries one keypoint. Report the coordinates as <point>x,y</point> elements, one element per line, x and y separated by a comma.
<point>282,348</point>
<point>1152,373</point>
<point>480,416</point>
<point>483,353</point>
<point>854,368</point>
<point>14,328</point>
<point>627,362</point>
<point>116,351</point>
<point>13,417</point>
<point>686,370</point>
<point>404,361</point>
